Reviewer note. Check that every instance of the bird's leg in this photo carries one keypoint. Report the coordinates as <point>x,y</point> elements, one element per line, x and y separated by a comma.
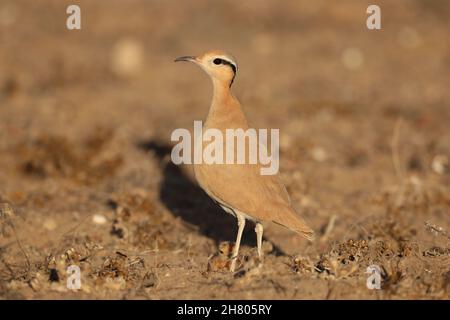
<point>259,234</point>
<point>241,225</point>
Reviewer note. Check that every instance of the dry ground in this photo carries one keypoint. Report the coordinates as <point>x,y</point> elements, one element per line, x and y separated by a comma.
<point>85,123</point>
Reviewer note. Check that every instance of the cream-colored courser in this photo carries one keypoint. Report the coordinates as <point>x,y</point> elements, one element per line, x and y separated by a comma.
<point>240,189</point>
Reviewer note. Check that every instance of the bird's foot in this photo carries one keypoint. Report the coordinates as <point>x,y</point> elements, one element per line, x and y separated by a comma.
<point>233,263</point>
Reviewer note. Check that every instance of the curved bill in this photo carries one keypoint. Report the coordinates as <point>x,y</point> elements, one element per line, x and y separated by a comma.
<point>185,58</point>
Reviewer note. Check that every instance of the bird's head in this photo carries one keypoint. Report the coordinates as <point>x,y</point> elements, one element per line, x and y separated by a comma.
<point>217,64</point>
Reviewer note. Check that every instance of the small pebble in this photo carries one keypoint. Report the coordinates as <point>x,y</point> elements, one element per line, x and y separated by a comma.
<point>99,219</point>
<point>319,154</point>
<point>50,224</point>
<point>440,164</point>
<point>150,280</point>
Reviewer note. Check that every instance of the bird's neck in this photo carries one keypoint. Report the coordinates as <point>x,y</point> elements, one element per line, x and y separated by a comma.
<point>225,109</point>
<point>221,92</point>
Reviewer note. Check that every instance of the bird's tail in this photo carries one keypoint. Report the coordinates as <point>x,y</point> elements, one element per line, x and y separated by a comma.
<point>291,220</point>
<point>306,232</point>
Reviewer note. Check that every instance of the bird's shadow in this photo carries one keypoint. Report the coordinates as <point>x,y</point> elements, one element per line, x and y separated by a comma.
<point>184,198</point>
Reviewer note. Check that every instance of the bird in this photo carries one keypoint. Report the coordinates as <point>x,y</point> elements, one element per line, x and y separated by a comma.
<point>240,189</point>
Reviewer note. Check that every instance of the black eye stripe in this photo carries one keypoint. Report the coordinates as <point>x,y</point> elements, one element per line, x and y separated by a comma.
<point>218,61</point>
<point>230,64</point>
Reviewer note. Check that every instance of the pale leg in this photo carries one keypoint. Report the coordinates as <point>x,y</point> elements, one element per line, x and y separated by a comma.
<point>241,225</point>
<point>259,235</point>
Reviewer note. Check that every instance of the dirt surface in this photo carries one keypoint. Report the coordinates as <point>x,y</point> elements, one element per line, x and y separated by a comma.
<point>86,177</point>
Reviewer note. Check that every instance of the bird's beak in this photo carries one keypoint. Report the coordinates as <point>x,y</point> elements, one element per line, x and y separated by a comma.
<point>186,58</point>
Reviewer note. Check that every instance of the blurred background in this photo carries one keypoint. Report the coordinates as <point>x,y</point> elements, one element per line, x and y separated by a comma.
<point>85,123</point>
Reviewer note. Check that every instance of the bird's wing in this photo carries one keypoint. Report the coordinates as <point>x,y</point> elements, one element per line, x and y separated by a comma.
<point>242,187</point>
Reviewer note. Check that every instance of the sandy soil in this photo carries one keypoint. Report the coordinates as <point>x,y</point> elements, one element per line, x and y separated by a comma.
<point>85,123</point>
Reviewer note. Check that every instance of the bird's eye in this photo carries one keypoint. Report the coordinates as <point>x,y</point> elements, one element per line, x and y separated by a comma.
<point>217,61</point>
